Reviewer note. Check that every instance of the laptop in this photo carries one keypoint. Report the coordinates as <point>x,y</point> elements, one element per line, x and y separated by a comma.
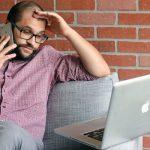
<point>128,117</point>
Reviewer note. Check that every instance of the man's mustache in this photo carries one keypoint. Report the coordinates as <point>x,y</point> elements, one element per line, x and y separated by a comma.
<point>26,46</point>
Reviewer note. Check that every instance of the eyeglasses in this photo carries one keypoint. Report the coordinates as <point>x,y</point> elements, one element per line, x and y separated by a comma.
<point>27,34</point>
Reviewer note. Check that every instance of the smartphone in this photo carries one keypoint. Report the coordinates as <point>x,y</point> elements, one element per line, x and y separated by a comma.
<point>7,30</point>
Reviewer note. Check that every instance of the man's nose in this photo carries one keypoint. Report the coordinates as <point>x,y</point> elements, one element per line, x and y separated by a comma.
<point>31,41</point>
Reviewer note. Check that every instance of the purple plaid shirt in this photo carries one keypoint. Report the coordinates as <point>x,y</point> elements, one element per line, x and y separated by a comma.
<point>25,86</point>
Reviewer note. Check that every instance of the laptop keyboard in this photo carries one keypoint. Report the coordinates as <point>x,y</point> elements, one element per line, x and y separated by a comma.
<point>97,134</point>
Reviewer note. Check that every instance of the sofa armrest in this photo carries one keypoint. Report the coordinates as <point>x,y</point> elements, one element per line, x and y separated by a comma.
<point>75,101</point>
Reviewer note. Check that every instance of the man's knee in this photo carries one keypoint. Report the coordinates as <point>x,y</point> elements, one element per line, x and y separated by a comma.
<point>9,135</point>
<point>9,128</point>
<point>15,137</point>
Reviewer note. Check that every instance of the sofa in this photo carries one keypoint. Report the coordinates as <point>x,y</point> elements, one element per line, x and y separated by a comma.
<point>78,101</point>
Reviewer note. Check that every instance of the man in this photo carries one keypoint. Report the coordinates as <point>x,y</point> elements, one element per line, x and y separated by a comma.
<point>28,73</point>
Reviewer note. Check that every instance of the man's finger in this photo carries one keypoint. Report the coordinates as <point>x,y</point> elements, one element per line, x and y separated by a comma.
<point>4,42</point>
<point>40,16</point>
<point>7,49</point>
<point>2,38</point>
<point>7,57</point>
<point>46,13</point>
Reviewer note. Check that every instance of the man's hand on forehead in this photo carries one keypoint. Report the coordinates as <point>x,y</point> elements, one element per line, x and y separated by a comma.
<point>55,23</point>
<point>34,13</point>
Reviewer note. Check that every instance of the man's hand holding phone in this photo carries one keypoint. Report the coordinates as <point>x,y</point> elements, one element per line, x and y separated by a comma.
<point>4,56</point>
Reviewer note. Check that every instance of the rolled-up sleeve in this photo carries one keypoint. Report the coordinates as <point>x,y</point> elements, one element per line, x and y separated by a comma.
<point>70,68</point>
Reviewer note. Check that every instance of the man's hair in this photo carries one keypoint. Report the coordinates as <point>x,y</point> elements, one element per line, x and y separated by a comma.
<point>15,13</point>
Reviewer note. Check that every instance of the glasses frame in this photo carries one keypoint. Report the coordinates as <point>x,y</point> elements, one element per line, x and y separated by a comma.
<point>21,29</point>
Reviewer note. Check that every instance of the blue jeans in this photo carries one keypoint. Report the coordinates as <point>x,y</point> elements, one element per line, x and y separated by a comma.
<point>13,137</point>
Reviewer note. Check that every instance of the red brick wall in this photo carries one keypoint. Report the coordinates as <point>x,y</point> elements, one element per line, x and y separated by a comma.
<point>119,29</point>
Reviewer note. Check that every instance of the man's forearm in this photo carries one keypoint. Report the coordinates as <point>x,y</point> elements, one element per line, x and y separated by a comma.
<point>90,56</point>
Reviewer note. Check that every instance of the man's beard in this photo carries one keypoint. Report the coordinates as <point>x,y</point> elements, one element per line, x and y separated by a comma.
<point>20,57</point>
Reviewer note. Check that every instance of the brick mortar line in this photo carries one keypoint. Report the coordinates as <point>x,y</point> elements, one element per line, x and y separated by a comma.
<point>123,40</point>
<point>54,5</point>
<point>95,33</point>
<point>114,54</point>
<point>143,55</point>
<point>137,33</point>
<point>4,12</point>
<point>72,25</point>
<point>119,54</point>
<point>111,26</point>
<point>117,19</point>
<point>123,26</point>
<point>116,46</point>
<point>110,40</point>
<point>104,40</point>
<point>75,18</point>
<point>132,67</point>
<point>96,5</point>
<point>107,11</point>
<point>113,67</point>
<point>91,39</point>
<point>125,68</point>
<point>137,60</point>
<point>145,27</point>
<point>90,11</point>
<point>119,26</point>
<point>137,5</point>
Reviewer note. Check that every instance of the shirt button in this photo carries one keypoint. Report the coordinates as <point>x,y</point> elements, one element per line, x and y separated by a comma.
<point>8,76</point>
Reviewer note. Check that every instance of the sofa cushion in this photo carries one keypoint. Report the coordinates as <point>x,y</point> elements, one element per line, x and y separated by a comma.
<point>75,101</point>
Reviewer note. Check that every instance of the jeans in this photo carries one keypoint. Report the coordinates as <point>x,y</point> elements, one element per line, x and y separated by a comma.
<point>13,137</point>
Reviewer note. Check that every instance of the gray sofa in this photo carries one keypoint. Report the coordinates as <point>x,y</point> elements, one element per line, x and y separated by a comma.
<point>77,101</point>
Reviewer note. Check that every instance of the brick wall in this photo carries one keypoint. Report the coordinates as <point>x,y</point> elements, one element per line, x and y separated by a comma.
<point>119,29</point>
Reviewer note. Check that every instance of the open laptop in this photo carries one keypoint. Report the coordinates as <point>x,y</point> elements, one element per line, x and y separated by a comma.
<point>128,117</point>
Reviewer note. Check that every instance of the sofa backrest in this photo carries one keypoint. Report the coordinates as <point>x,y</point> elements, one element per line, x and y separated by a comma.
<point>75,101</point>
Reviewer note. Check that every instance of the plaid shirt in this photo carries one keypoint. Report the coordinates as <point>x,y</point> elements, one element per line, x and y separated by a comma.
<point>25,86</point>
